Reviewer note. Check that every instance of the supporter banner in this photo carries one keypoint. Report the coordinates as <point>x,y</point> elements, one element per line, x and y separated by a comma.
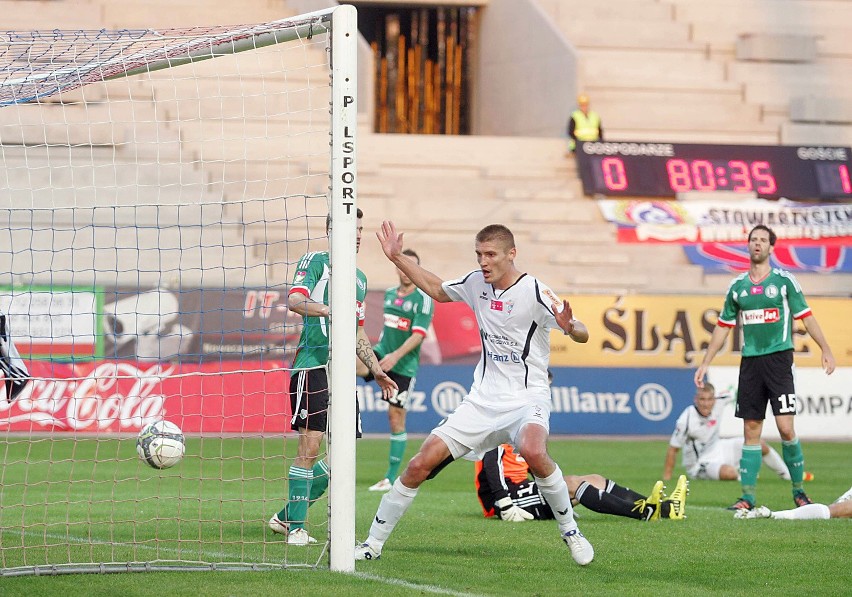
<point>124,396</point>
<point>199,324</point>
<point>674,330</point>
<point>59,322</point>
<point>823,404</point>
<point>721,257</point>
<point>705,221</point>
<point>622,402</point>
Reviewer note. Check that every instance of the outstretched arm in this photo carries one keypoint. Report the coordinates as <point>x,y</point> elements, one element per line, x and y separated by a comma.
<point>717,340</point>
<point>425,280</point>
<point>815,331</point>
<point>668,466</point>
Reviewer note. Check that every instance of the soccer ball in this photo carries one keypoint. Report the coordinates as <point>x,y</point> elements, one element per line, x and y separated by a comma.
<point>161,444</point>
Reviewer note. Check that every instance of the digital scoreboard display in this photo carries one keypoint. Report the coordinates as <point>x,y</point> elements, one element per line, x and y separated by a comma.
<point>621,169</point>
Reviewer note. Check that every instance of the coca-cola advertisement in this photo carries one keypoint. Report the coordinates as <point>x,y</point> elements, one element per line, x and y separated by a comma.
<point>124,396</point>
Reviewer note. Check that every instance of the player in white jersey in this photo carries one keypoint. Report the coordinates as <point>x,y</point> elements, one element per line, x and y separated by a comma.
<point>706,455</point>
<point>840,508</point>
<point>509,401</point>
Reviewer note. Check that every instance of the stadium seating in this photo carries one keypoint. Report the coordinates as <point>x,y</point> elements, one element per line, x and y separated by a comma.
<point>675,78</point>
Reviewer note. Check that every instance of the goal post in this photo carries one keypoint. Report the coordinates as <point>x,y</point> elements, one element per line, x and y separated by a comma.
<point>342,420</point>
<point>157,191</point>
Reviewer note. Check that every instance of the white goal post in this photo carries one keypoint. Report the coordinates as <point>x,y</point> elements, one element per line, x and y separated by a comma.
<point>154,206</point>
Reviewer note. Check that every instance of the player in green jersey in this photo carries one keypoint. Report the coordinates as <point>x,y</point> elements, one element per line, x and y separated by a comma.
<point>767,301</point>
<point>308,296</point>
<point>407,315</point>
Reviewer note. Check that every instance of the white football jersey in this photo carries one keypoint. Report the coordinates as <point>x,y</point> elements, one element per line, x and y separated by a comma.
<point>695,434</point>
<point>514,327</point>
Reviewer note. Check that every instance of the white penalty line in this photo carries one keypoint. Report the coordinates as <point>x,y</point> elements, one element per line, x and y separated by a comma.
<point>410,585</point>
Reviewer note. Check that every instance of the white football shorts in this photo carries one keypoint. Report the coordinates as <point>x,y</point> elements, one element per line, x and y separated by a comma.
<point>727,450</point>
<point>473,429</point>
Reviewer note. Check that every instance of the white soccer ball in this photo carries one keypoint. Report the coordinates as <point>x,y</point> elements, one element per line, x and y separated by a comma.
<point>161,444</point>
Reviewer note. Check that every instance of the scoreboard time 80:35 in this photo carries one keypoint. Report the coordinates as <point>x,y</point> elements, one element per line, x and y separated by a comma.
<point>665,169</point>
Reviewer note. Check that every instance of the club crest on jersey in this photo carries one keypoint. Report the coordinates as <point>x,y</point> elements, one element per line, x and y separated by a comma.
<point>757,316</point>
<point>771,291</point>
<point>300,276</point>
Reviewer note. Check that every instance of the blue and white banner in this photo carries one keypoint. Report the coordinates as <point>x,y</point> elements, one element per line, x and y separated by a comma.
<point>615,401</point>
<point>721,257</point>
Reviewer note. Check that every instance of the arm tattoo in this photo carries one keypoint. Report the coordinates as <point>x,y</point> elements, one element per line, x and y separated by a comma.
<point>365,352</point>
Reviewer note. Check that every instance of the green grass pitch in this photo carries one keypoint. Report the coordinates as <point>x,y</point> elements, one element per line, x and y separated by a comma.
<point>443,546</point>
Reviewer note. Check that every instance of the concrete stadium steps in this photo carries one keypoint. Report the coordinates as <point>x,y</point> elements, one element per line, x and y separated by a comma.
<point>777,94</point>
<point>116,124</point>
<point>634,10</point>
<point>166,13</point>
<point>816,134</point>
<point>653,69</point>
<point>833,41</point>
<point>622,33</point>
<point>210,255</point>
<point>758,15</point>
<point>117,14</point>
<point>729,115</point>
<point>66,177</point>
<point>27,15</point>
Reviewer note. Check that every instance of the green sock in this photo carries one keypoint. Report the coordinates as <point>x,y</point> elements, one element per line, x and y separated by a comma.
<point>296,510</point>
<point>397,449</point>
<point>320,481</point>
<point>795,461</point>
<point>749,468</point>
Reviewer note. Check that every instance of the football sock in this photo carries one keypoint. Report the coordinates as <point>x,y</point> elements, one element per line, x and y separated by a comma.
<point>555,492</point>
<point>792,451</point>
<point>397,449</point>
<point>296,510</point>
<point>808,512</point>
<point>604,502</point>
<point>774,461</point>
<point>393,505</point>
<point>319,483</point>
<point>749,468</point>
<point>624,493</point>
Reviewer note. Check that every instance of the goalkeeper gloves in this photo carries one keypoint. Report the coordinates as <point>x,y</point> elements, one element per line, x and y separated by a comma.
<point>509,512</point>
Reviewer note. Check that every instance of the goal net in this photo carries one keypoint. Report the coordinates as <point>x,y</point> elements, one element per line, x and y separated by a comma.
<point>157,190</point>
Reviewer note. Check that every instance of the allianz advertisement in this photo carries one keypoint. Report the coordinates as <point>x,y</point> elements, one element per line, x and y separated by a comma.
<point>624,401</point>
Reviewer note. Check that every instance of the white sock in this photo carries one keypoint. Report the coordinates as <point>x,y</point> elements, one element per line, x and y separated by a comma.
<point>808,512</point>
<point>774,461</point>
<point>555,491</point>
<point>393,505</point>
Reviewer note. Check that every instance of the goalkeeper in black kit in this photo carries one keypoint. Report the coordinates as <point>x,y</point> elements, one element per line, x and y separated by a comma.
<point>12,368</point>
<point>505,489</point>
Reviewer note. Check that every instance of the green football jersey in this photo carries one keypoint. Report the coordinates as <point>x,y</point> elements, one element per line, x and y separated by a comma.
<point>312,280</point>
<point>767,309</point>
<point>403,316</point>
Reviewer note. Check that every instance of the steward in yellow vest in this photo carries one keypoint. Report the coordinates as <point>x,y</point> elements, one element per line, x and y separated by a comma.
<point>584,125</point>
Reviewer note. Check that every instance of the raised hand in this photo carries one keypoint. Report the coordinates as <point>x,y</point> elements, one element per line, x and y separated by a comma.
<point>390,240</point>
